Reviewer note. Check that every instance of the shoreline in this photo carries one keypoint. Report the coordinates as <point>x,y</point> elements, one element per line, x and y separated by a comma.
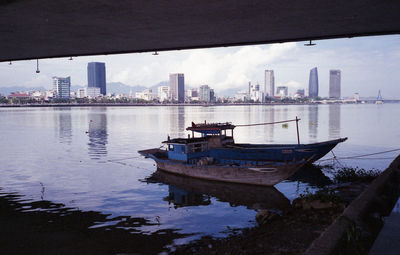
<point>154,104</point>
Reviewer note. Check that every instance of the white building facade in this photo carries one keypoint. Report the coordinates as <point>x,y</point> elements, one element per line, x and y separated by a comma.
<point>62,87</point>
<point>163,93</point>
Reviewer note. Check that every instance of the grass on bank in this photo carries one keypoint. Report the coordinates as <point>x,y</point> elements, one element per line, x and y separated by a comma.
<point>355,174</point>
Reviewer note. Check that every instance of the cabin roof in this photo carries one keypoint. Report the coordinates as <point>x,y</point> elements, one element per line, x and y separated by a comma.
<point>186,140</point>
<point>207,127</point>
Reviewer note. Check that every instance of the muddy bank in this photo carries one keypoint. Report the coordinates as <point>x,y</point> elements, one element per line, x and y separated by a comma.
<point>289,232</point>
<point>355,202</point>
<point>43,227</point>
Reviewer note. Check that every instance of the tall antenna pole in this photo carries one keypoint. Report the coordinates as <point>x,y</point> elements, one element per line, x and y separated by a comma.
<point>297,127</point>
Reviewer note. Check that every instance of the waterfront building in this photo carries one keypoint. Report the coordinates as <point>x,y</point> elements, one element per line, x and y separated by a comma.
<point>313,83</point>
<point>62,87</point>
<point>146,95</point>
<point>255,93</point>
<point>192,93</point>
<point>81,93</point>
<point>49,94</point>
<point>204,93</point>
<point>96,72</point>
<point>299,93</point>
<point>282,91</point>
<point>241,95</point>
<point>269,83</point>
<point>177,87</point>
<point>37,95</point>
<point>72,94</point>
<point>18,95</point>
<point>357,96</point>
<point>92,92</point>
<point>334,84</point>
<point>163,93</point>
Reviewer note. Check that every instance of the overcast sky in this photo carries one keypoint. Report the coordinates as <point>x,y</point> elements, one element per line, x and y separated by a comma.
<point>367,64</point>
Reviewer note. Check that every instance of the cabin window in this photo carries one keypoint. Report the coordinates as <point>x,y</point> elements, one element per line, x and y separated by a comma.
<point>197,148</point>
<point>170,147</point>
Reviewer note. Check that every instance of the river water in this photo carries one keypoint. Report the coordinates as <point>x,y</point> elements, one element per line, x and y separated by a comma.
<point>86,158</point>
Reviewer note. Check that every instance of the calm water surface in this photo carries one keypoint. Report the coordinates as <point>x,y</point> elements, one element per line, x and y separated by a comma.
<point>86,158</point>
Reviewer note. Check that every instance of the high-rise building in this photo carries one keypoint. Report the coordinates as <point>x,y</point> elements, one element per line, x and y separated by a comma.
<point>204,93</point>
<point>97,76</point>
<point>212,96</point>
<point>313,83</point>
<point>334,84</point>
<point>62,87</point>
<point>269,84</point>
<point>177,87</point>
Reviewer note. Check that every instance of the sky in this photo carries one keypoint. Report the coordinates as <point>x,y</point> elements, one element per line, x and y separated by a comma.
<point>368,64</point>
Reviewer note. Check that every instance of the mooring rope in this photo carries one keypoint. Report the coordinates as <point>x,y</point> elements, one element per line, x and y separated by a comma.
<point>266,123</point>
<point>360,156</point>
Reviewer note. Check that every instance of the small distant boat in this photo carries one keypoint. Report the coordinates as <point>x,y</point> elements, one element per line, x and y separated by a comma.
<point>215,156</point>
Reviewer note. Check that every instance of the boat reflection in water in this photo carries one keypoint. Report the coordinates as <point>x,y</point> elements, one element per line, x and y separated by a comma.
<point>188,191</point>
<point>181,197</point>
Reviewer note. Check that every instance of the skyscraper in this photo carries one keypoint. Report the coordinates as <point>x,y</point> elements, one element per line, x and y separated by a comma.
<point>334,84</point>
<point>97,76</point>
<point>204,93</point>
<point>313,83</point>
<point>269,85</point>
<point>177,87</point>
<point>61,87</point>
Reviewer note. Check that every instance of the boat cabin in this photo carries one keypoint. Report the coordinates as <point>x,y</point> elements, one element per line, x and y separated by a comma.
<point>217,134</point>
<point>191,149</point>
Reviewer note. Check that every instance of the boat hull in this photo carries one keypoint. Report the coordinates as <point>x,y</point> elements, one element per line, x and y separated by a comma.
<point>274,153</point>
<point>266,175</point>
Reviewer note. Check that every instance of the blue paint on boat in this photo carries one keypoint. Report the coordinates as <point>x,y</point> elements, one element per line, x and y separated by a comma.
<point>215,143</point>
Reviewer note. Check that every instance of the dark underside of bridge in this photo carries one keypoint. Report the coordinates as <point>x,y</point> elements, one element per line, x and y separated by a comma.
<point>31,29</point>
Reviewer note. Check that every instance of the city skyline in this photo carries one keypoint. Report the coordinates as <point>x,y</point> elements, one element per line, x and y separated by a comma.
<point>367,65</point>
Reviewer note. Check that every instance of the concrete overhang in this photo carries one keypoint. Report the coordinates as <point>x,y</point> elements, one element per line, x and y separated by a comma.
<point>33,29</point>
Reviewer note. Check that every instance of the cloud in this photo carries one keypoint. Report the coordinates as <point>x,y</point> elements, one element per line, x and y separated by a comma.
<point>366,66</point>
<point>39,80</point>
<point>223,70</point>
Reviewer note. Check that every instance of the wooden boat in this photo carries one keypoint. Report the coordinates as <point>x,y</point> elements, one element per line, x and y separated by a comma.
<point>215,156</point>
<point>206,168</point>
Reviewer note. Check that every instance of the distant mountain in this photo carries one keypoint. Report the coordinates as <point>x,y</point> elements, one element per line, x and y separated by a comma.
<point>115,88</point>
<point>121,88</point>
<point>161,83</point>
<point>228,92</point>
<point>76,87</point>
